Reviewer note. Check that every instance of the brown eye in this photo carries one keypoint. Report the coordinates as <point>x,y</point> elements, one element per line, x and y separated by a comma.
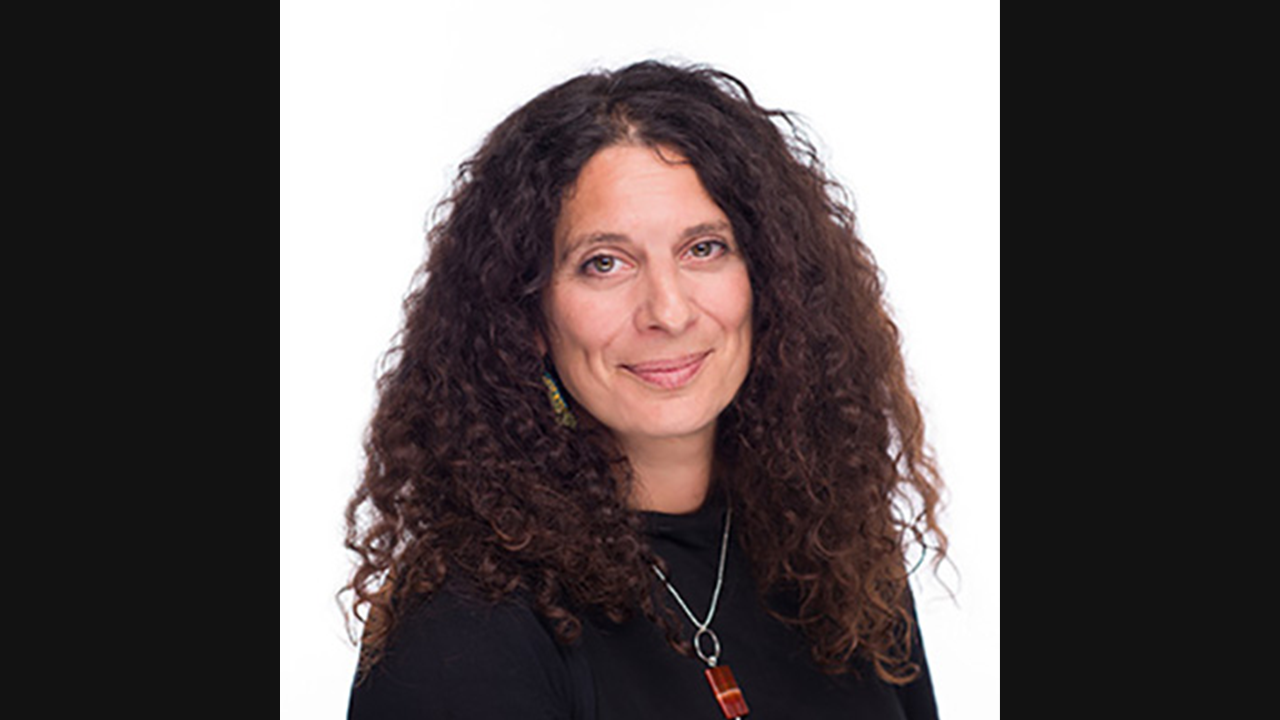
<point>707,248</point>
<point>601,264</point>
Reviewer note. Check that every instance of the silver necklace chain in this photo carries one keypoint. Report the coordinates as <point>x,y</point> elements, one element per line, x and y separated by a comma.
<point>704,626</point>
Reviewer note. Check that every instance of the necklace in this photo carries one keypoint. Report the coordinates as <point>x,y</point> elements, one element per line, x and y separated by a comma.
<point>726,689</point>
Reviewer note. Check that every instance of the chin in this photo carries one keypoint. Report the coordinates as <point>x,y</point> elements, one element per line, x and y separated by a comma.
<point>668,426</point>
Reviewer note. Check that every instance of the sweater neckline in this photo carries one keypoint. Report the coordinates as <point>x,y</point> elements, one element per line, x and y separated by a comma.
<point>701,528</point>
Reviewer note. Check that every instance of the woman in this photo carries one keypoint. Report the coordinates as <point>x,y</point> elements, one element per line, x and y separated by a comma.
<point>646,448</point>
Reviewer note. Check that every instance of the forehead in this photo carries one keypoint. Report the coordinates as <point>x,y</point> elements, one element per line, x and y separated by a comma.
<point>631,188</point>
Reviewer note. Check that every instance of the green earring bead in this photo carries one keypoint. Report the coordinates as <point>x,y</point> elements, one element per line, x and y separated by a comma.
<point>563,414</point>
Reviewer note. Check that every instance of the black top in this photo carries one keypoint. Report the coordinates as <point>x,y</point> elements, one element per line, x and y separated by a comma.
<point>459,658</point>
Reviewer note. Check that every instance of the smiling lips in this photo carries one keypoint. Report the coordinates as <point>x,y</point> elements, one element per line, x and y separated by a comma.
<point>669,374</point>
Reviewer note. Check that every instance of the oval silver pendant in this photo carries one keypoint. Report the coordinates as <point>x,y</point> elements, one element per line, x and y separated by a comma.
<point>715,641</point>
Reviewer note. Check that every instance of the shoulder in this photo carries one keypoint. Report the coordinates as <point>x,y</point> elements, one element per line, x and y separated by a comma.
<point>917,696</point>
<point>453,656</point>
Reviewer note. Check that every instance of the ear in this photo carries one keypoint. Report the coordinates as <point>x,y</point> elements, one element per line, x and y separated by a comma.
<point>540,342</point>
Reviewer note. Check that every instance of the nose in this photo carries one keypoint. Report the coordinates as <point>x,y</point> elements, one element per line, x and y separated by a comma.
<point>667,304</point>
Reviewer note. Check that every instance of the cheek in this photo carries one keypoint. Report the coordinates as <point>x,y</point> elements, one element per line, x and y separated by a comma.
<point>730,301</point>
<point>579,323</point>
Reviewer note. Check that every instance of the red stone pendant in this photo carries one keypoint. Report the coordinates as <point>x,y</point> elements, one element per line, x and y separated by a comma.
<point>728,694</point>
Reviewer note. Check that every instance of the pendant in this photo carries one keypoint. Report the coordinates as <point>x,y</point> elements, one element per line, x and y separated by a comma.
<point>728,694</point>
<point>725,687</point>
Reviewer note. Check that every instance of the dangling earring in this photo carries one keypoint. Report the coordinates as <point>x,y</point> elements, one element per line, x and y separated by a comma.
<point>563,415</point>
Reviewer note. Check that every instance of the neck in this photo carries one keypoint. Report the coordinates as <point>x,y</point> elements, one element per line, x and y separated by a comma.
<point>672,475</point>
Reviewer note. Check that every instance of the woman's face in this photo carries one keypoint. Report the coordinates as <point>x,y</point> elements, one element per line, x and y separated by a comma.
<point>649,306</point>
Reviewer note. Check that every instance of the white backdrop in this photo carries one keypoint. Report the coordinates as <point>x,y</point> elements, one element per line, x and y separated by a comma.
<point>381,100</point>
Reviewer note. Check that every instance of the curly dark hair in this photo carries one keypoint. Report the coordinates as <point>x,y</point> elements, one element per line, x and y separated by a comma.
<point>821,453</point>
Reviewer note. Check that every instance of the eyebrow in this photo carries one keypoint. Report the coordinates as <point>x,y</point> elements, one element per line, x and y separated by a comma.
<point>598,238</point>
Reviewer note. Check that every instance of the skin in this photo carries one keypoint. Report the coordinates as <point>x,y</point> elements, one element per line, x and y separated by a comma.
<point>649,316</point>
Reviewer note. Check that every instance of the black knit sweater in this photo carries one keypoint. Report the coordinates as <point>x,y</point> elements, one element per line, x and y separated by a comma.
<point>458,658</point>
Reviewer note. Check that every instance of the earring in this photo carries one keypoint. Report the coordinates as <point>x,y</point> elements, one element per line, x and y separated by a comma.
<point>563,415</point>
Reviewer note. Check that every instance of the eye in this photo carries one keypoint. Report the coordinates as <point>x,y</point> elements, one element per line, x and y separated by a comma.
<point>708,248</point>
<point>600,265</point>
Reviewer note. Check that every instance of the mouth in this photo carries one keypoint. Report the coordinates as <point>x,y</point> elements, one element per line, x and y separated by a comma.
<point>670,373</point>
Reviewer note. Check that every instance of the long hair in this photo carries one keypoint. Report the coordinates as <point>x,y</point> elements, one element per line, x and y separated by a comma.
<point>822,451</point>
